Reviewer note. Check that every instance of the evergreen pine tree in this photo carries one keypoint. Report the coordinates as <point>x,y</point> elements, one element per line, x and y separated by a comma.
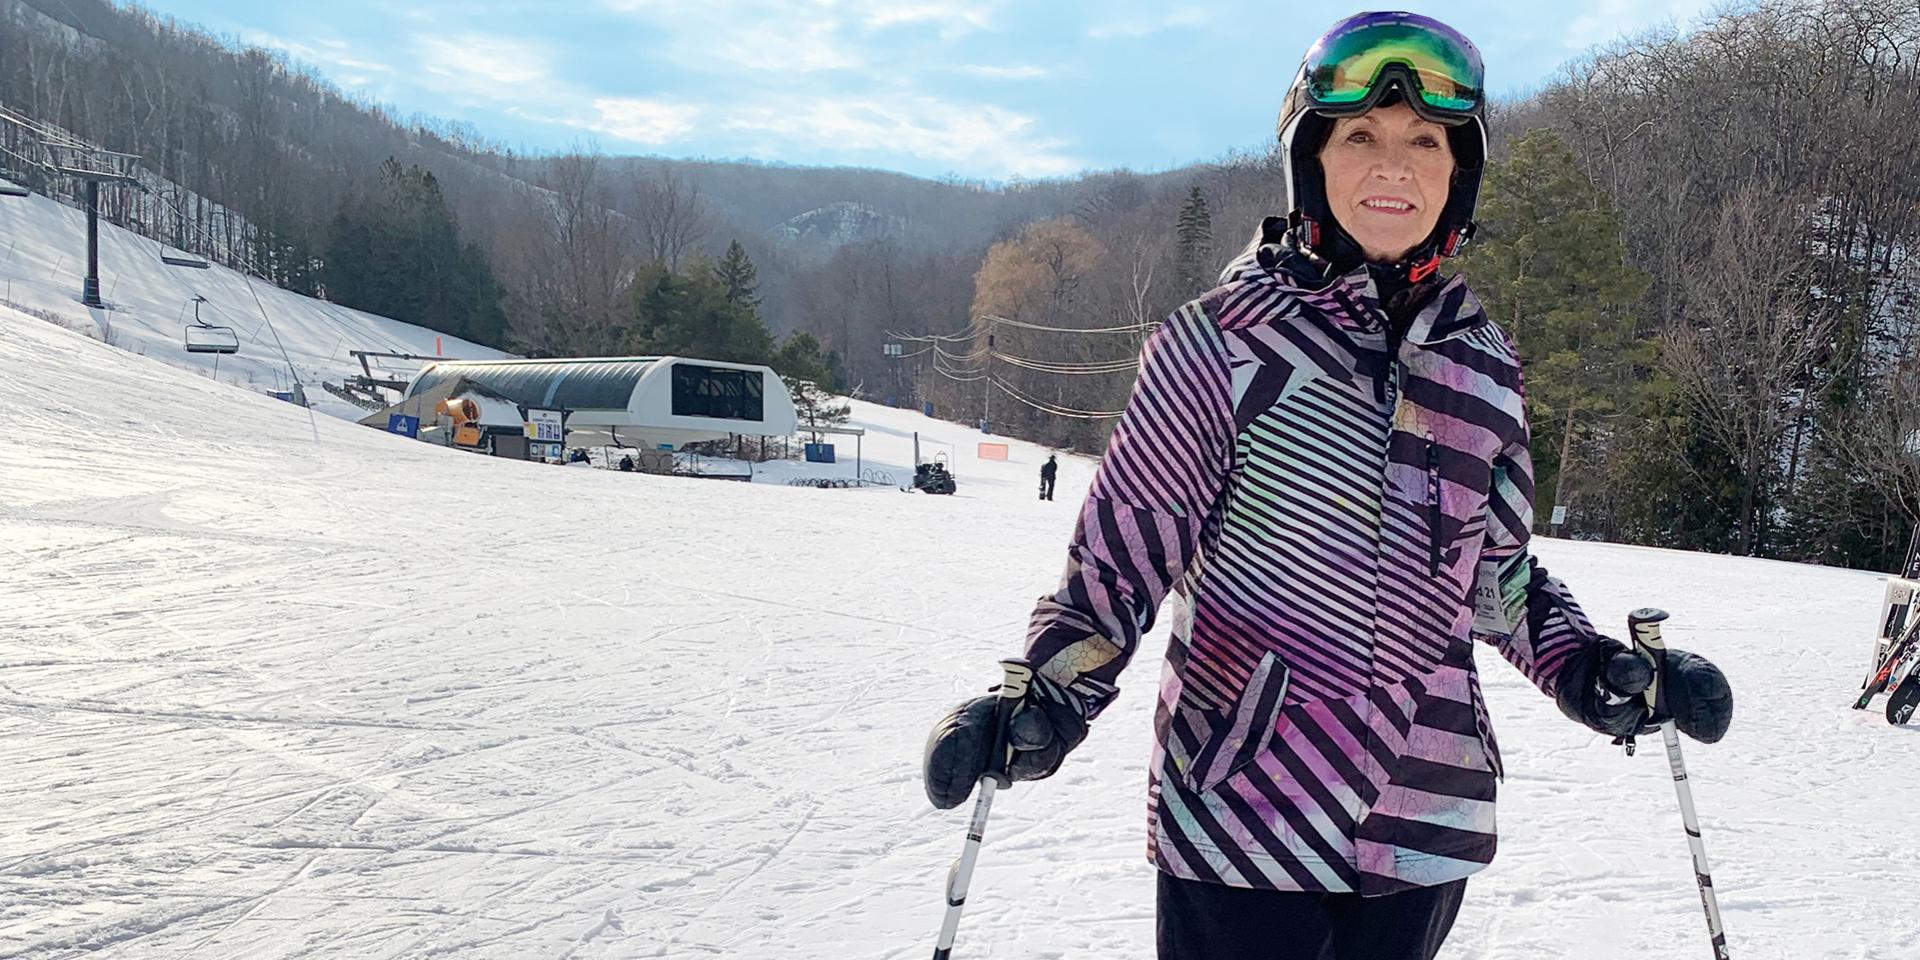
<point>810,374</point>
<point>1551,268</point>
<point>691,316</point>
<point>398,253</point>
<point>1195,231</point>
<point>736,273</point>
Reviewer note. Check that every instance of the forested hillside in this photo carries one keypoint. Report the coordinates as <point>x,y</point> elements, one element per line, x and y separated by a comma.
<point>1699,239</point>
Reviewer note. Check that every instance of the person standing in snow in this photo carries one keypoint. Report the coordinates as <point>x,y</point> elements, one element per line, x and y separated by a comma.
<point>1325,460</point>
<point>1047,472</point>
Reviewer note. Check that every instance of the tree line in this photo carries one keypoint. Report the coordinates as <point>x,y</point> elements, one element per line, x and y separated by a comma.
<point>1702,242</point>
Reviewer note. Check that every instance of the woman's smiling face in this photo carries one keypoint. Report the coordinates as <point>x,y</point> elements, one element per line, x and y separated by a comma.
<point>1388,172</point>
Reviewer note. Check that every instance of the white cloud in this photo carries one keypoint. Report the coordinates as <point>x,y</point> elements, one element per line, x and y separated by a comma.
<point>804,36</point>
<point>802,47</point>
<point>1016,71</point>
<point>1135,25</point>
<point>972,137</point>
<point>955,18</point>
<point>518,77</point>
<point>641,121</point>
<point>336,57</point>
<point>779,84</point>
<point>484,66</point>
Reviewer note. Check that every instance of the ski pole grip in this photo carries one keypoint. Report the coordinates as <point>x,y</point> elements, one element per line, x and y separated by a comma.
<point>1644,626</point>
<point>1015,677</point>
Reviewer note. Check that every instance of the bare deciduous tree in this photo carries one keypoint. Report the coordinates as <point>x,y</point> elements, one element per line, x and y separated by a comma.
<point>673,218</point>
<point>1753,331</point>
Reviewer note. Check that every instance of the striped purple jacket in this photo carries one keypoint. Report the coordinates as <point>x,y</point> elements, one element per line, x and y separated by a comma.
<point>1337,525</point>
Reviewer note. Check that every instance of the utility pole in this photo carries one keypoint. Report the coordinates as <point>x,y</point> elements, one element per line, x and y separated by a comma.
<point>986,415</point>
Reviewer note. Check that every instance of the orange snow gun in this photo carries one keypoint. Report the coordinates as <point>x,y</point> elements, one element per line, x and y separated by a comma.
<point>465,415</point>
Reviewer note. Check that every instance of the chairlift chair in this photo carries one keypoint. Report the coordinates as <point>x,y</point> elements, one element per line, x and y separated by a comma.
<point>211,339</point>
<point>204,337</point>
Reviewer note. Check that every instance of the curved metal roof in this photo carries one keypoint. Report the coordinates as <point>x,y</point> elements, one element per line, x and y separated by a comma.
<point>595,384</point>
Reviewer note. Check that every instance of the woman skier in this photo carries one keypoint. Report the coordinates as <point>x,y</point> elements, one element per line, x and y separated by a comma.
<point>1325,459</point>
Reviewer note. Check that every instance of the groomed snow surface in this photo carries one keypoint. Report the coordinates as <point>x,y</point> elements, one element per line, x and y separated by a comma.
<point>265,697</point>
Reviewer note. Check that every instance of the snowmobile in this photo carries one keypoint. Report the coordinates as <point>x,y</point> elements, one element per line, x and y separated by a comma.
<point>933,477</point>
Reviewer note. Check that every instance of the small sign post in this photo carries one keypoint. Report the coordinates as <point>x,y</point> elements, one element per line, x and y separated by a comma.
<point>546,433</point>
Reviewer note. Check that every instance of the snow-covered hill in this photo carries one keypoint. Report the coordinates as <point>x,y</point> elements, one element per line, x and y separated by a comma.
<point>267,697</point>
<point>43,256</point>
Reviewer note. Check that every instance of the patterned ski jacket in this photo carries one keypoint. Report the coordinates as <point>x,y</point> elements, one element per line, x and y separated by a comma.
<point>1337,525</point>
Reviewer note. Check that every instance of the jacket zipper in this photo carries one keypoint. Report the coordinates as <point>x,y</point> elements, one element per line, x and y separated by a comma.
<point>1433,506</point>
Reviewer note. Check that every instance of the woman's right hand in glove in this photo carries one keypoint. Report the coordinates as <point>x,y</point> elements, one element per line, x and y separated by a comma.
<point>1044,724</point>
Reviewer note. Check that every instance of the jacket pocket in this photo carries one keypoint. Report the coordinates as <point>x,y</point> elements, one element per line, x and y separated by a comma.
<point>1238,738</point>
<point>1485,724</point>
<point>1448,723</point>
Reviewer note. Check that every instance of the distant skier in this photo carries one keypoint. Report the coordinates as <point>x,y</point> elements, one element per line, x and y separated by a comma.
<point>626,463</point>
<point>1326,460</point>
<point>1047,472</point>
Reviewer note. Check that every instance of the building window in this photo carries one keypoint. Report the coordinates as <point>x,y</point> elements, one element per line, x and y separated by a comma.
<point>713,392</point>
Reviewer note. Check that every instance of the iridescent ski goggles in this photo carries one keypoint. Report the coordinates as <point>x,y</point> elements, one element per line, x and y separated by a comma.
<point>1352,66</point>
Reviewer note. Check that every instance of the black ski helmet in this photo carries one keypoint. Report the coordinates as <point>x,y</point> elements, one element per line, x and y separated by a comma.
<point>1389,78</point>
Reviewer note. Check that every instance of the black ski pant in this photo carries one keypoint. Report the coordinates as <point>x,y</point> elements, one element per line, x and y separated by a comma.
<point>1210,921</point>
<point>1046,488</point>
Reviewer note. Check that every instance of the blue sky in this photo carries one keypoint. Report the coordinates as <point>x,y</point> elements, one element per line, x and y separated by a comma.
<point>982,89</point>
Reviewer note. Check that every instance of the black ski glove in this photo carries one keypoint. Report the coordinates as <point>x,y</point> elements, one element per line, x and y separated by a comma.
<point>1603,686</point>
<point>1604,689</point>
<point>1696,695</point>
<point>1045,724</point>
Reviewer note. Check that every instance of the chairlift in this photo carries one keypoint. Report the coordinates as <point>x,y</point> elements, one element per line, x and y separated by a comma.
<point>182,260</point>
<point>204,337</point>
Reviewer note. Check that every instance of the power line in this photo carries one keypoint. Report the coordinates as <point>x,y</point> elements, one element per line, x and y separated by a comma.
<point>1070,368</point>
<point>1055,409</point>
<point>1023,325</point>
<point>962,375</point>
<point>972,330</point>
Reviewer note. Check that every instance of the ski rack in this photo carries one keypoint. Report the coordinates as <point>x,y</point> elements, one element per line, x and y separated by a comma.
<point>1897,618</point>
<point>1897,614</point>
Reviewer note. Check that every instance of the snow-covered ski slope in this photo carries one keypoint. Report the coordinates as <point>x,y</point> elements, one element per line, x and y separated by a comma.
<point>262,697</point>
<point>43,256</point>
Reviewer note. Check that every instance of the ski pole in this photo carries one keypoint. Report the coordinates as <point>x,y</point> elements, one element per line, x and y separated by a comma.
<point>1644,626</point>
<point>1013,686</point>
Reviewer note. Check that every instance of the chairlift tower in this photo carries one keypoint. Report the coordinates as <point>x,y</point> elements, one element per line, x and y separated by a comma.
<point>59,154</point>
<point>93,167</point>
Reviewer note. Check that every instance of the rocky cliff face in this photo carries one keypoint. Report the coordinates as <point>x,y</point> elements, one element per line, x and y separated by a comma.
<point>837,224</point>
